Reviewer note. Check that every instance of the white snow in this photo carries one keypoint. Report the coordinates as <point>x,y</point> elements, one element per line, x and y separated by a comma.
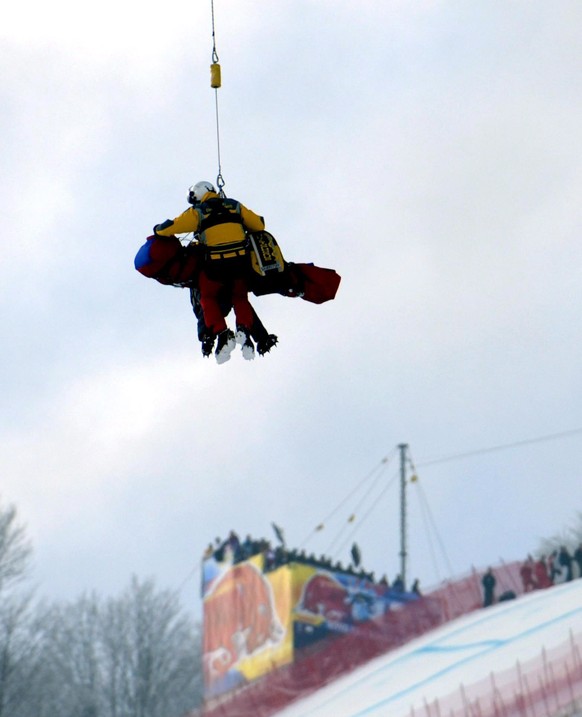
<point>462,652</point>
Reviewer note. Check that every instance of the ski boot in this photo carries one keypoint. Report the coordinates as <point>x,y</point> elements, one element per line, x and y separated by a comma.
<point>224,346</point>
<point>207,344</point>
<point>244,340</point>
<point>266,344</point>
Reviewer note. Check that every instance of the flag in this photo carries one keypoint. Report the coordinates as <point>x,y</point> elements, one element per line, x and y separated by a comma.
<point>356,555</point>
<point>279,534</point>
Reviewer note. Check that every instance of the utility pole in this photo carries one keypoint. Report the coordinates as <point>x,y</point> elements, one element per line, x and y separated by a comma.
<point>403,447</point>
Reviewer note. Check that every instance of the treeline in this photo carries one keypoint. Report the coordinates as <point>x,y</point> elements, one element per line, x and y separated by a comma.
<point>135,655</point>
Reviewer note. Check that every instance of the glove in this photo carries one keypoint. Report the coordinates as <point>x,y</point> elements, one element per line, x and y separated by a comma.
<point>163,225</point>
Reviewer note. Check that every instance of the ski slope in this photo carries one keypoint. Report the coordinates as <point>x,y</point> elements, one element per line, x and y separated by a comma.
<point>463,652</point>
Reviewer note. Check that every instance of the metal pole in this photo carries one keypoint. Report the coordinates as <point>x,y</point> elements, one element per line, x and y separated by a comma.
<point>403,447</point>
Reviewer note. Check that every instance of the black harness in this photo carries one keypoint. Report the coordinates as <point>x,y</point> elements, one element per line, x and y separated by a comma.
<point>216,211</point>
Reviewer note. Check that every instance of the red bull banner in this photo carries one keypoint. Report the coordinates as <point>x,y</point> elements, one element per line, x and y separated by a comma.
<point>333,602</point>
<point>254,620</point>
<point>247,622</point>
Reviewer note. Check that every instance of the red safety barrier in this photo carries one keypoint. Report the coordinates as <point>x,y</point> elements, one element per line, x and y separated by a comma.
<point>325,661</point>
<point>550,684</point>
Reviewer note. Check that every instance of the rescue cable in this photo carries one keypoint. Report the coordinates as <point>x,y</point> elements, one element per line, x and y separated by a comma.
<point>215,83</point>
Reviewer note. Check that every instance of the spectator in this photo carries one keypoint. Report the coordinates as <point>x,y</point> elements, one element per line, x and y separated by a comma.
<point>234,543</point>
<point>219,550</point>
<point>578,559</point>
<point>247,548</point>
<point>398,584</point>
<point>554,570</point>
<point>565,562</point>
<point>488,583</point>
<point>269,554</point>
<point>416,587</point>
<point>293,555</point>
<point>527,575</point>
<point>280,556</point>
<point>356,554</point>
<point>542,575</point>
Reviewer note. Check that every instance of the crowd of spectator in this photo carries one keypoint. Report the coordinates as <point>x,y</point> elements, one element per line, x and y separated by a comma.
<point>234,550</point>
<point>560,566</point>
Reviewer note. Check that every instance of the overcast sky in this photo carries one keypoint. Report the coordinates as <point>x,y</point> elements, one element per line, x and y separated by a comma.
<point>428,151</point>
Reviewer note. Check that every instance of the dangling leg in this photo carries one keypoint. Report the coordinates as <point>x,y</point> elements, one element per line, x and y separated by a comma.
<point>263,339</point>
<point>245,316</point>
<point>213,318</point>
<point>242,306</point>
<point>205,335</point>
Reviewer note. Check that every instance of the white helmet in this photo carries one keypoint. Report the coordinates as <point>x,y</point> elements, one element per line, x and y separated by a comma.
<point>198,190</point>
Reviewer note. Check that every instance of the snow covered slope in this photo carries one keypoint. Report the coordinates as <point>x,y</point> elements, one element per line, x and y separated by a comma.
<point>463,652</point>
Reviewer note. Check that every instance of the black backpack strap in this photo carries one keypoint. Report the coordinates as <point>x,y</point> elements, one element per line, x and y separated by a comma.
<point>218,211</point>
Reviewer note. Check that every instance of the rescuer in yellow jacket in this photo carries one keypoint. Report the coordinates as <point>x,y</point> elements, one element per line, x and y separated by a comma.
<point>220,225</point>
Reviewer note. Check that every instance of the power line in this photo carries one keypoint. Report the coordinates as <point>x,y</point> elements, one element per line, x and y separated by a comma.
<point>429,518</point>
<point>502,447</point>
<point>380,467</point>
<point>362,520</point>
<point>191,575</point>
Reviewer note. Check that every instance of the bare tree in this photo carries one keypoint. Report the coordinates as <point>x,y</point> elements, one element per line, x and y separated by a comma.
<point>571,537</point>
<point>15,549</point>
<point>72,671</point>
<point>152,653</point>
<point>19,638</point>
<point>137,655</point>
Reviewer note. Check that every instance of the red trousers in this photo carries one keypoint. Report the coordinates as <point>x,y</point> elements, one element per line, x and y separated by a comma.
<point>209,290</point>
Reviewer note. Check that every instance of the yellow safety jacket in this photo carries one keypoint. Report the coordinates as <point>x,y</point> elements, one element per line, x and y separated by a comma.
<point>220,224</point>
